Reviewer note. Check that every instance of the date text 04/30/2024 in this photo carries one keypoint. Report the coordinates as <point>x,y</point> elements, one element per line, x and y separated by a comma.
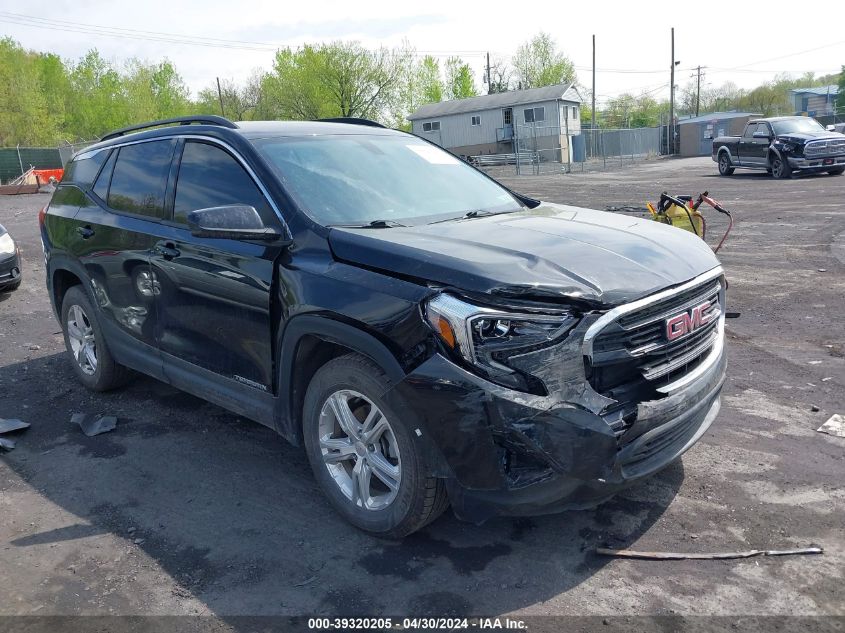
<point>424,623</point>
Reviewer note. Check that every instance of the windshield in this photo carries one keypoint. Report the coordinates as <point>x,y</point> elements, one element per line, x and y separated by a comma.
<point>797,126</point>
<point>358,179</point>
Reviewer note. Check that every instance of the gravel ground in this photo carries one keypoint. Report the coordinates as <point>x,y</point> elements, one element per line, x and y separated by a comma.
<point>188,509</point>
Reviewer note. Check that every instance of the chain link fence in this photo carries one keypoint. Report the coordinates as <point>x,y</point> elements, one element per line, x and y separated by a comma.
<point>548,149</point>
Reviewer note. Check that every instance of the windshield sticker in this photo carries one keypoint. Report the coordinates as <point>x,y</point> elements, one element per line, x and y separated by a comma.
<point>433,155</point>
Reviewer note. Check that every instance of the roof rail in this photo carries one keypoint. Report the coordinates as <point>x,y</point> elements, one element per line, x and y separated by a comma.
<point>209,119</point>
<point>352,120</point>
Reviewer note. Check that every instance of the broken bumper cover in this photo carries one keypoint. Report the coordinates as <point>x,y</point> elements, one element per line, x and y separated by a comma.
<point>505,452</point>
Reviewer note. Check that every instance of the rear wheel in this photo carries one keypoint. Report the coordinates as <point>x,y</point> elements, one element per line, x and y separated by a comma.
<point>89,355</point>
<point>836,172</point>
<point>725,168</point>
<point>363,453</point>
<point>780,167</point>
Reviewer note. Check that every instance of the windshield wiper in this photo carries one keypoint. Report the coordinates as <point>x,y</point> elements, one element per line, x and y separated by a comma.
<point>474,214</point>
<point>374,224</point>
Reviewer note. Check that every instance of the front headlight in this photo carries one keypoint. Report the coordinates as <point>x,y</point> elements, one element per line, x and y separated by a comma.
<point>7,244</point>
<point>487,338</point>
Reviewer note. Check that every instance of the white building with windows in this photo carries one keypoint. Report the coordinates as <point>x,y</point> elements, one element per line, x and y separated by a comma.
<point>538,119</point>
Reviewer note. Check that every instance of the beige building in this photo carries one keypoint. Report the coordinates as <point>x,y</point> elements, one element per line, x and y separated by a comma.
<point>697,133</point>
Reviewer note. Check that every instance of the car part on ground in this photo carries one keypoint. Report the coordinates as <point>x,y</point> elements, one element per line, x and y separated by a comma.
<point>92,425</point>
<point>430,336</point>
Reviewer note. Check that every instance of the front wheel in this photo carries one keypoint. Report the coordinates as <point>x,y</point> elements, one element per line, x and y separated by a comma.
<point>725,168</point>
<point>780,168</point>
<point>836,172</point>
<point>363,452</point>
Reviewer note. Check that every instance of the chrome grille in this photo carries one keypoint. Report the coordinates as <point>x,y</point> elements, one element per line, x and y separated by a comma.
<point>633,349</point>
<point>830,147</point>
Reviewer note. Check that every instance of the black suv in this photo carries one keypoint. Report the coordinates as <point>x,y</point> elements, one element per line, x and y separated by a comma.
<point>429,336</point>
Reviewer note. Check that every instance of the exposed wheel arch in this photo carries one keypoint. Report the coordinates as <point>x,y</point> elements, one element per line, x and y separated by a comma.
<point>63,280</point>
<point>309,342</point>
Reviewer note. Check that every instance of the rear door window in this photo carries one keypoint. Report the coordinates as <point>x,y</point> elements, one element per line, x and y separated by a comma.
<point>211,177</point>
<point>139,180</point>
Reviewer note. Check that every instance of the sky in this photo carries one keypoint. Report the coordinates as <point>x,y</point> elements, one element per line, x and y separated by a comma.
<point>232,39</point>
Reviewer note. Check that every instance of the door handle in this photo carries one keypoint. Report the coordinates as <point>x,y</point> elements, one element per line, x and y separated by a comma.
<point>167,250</point>
<point>85,231</point>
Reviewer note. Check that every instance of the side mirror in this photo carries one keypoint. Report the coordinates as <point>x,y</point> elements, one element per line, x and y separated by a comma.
<point>831,128</point>
<point>230,222</point>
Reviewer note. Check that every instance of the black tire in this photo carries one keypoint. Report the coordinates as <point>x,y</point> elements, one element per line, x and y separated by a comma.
<point>725,168</point>
<point>107,373</point>
<point>12,287</point>
<point>418,499</point>
<point>780,167</point>
<point>836,172</point>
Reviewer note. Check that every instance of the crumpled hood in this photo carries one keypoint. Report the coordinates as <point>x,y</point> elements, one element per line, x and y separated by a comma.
<point>803,137</point>
<point>552,251</point>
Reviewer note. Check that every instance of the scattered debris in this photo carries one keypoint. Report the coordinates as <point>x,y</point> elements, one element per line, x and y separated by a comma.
<point>7,444</point>
<point>733,315</point>
<point>814,408</point>
<point>138,541</point>
<point>627,553</point>
<point>92,425</point>
<point>822,270</point>
<point>12,424</point>
<point>828,378</point>
<point>814,362</point>
<point>835,425</point>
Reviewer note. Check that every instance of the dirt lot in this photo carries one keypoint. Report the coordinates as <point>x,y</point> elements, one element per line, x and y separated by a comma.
<point>188,509</point>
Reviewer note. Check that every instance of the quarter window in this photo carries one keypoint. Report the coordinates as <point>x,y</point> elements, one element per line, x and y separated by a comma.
<point>83,169</point>
<point>432,126</point>
<point>211,177</point>
<point>476,120</point>
<point>139,180</point>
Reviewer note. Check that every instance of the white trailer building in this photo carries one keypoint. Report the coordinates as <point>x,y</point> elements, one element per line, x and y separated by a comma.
<point>538,119</point>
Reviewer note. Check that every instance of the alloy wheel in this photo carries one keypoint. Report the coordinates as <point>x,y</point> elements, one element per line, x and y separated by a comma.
<point>80,335</point>
<point>360,449</point>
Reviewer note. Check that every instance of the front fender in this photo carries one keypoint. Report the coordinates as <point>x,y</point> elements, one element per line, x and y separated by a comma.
<point>333,330</point>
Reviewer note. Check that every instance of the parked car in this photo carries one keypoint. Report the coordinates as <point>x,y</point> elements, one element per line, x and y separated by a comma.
<point>782,146</point>
<point>10,262</point>
<point>429,336</point>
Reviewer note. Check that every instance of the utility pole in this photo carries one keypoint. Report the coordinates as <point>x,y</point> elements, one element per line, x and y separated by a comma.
<point>698,91</point>
<point>220,97</point>
<point>489,78</point>
<point>593,114</point>
<point>670,135</point>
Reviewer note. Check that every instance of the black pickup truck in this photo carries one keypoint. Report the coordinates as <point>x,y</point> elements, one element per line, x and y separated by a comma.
<point>782,146</point>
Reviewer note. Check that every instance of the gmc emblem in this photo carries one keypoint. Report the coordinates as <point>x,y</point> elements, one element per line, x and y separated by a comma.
<point>688,322</point>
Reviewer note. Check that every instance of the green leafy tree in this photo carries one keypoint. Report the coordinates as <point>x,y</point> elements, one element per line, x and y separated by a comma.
<point>335,79</point>
<point>24,109</point>
<point>460,83</point>
<point>97,100</point>
<point>538,63</point>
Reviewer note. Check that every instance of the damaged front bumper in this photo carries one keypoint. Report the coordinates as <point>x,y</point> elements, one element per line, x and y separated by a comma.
<point>504,452</point>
